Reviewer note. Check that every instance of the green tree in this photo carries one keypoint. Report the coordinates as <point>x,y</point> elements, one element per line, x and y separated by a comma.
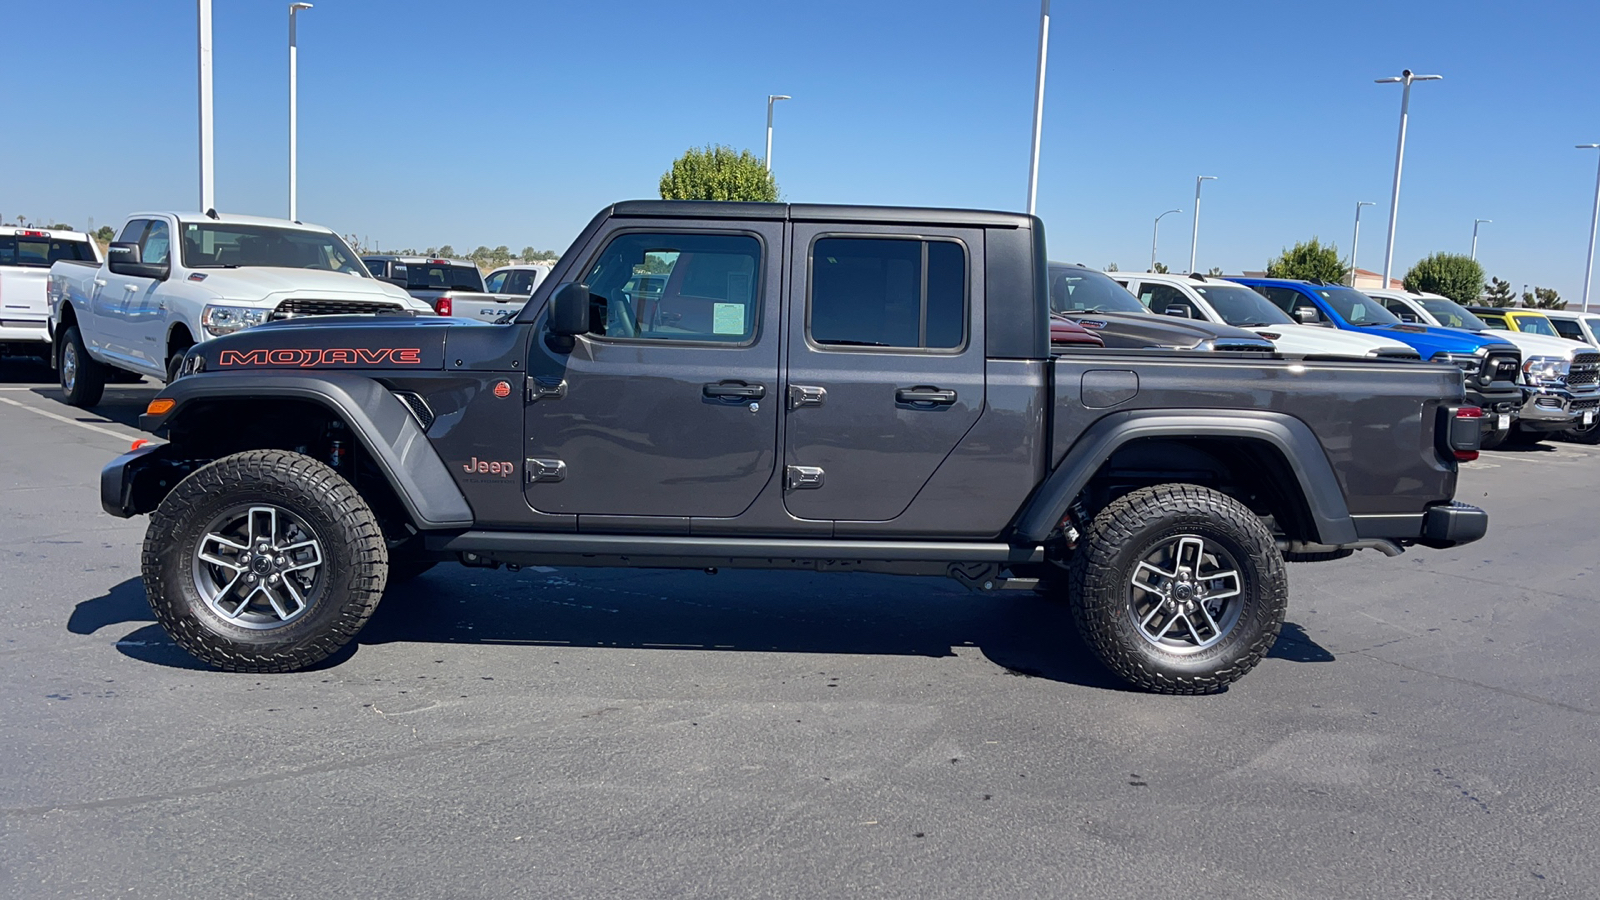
<point>528,254</point>
<point>1112,267</point>
<point>60,226</point>
<point>718,173</point>
<point>104,234</point>
<point>1454,275</point>
<point>1309,260</point>
<point>1498,293</point>
<point>501,252</point>
<point>1543,298</point>
<point>447,251</point>
<point>1161,268</point>
<point>481,253</point>
<point>1215,272</point>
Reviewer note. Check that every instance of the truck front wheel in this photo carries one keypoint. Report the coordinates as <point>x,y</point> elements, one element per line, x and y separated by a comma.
<point>1178,589</point>
<point>264,561</point>
<point>83,380</point>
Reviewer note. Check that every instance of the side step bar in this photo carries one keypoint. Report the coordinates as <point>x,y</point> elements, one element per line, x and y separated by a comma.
<point>522,542</point>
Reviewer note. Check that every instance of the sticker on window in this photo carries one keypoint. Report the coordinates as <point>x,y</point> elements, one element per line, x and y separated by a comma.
<point>727,318</point>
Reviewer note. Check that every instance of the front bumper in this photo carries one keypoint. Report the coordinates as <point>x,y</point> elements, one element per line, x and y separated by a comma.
<point>135,482</point>
<point>1557,408</point>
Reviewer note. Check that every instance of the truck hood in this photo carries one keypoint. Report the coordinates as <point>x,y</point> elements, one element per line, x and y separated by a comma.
<point>1318,340</point>
<point>1138,331</point>
<point>331,343</point>
<point>1533,345</point>
<point>1431,339</point>
<point>271,286</point>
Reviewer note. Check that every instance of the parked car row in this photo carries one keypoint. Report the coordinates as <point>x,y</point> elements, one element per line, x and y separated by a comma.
<point>1529,382</point>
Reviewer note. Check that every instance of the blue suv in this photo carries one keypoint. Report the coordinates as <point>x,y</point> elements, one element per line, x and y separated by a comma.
<point>1490,366</point>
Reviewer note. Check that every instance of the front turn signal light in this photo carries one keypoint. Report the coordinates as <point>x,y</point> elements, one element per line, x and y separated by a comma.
<point>160,406</point>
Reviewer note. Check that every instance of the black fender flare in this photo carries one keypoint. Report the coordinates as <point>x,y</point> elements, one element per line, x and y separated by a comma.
<point>1318,484</point>
<point>379,420</point>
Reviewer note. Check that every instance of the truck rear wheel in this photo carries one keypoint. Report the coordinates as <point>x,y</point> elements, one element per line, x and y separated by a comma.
<point>264,561</point>
<point>1178,589</point>
<point>83,380</point>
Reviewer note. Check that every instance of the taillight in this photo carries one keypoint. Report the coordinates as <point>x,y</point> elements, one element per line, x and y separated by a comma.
<point>442,306</point>
<point>1475,415</point>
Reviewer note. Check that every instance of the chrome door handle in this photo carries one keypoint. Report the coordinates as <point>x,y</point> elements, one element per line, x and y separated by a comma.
<point>925,395</point>
<point>130,287</point>
<point>100,282</point>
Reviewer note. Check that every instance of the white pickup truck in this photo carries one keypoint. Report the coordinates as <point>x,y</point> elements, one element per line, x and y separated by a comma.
<point>172,280</point>
<point>26,255</point>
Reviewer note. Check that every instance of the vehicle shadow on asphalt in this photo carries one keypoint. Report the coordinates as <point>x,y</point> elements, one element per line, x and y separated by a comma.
<point>1025,634</point>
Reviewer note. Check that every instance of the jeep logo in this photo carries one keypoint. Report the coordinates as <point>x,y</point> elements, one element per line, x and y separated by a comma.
<point>485,467</point>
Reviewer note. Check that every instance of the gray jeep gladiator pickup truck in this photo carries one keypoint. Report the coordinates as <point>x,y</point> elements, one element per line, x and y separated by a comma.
<point>829,388</point>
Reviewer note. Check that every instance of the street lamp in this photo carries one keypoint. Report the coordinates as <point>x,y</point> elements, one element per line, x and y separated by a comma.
<point>207,194</point>
<point>1355,242</point>
<point>1588,266</point>
<point>1194,233</point>
<point>771,99</point>
<point>294,146</point>
<point>1038,104</point>
<point>1156,231</point>
<point>1405,78</point>
<point>1475,223</point>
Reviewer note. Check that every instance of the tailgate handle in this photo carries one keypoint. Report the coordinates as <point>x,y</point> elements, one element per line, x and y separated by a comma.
<point>924,394</point>
<point>734,390</point>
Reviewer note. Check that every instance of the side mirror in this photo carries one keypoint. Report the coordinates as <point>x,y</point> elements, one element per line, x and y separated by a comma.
<point>1409,317</point>
<point>1178,310</point>
<point>569,315</point>
<point>1307,315</point>
<point>123,258</point>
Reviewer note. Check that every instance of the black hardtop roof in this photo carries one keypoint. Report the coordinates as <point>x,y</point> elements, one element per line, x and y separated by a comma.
<point>824,212</point>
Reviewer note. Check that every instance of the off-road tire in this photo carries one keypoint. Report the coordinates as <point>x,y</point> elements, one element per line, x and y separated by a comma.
<point>354,555</point>
<point>1123,534</point>
<point>83,381</point>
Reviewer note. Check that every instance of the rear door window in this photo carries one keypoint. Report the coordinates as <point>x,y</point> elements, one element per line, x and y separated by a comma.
<point>443,277</point>
<point>888,292</point>
<point>1161,298</point>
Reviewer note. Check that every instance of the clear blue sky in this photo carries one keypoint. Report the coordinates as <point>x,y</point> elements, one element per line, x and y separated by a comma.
<point>513,121</point>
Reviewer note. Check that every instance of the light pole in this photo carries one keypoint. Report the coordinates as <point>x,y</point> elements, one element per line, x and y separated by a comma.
<point>1475,223</point>
<point>294,125</point>
<point>207,195</point>
<point>1588,266</point>
<point>771,99</point>
<point>1405,78</point>
<point>1155,232</point>
<point>1355,242</point>
<point>1038,104</point>
<point>1194,233</point>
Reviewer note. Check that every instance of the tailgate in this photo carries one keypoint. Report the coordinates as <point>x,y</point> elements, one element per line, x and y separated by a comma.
<point>22,295</point>
<point>485,307</point>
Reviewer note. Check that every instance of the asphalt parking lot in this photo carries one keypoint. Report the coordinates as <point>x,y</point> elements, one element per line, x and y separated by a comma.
<point>1426,726</point>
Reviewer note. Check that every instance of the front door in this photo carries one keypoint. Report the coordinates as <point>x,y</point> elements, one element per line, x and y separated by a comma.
<point>886,364</point>
<point>669,407</point>
<point>147,305</point>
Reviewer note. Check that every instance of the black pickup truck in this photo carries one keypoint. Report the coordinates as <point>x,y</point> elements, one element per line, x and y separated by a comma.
<point>829,388</point>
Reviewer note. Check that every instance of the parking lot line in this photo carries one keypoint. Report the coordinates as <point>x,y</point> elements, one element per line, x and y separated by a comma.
<point>50,415</point>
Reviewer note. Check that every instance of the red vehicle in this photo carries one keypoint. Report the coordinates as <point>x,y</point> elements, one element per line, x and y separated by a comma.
<point>1067,333</point>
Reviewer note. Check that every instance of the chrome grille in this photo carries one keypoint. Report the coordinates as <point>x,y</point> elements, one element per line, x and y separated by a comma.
<point>1585,369</point>
<point>290,309</point>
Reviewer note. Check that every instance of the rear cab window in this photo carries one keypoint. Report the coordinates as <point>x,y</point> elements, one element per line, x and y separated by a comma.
<point>442,276</point>
<point>901,293</point>
<point>35,249</point>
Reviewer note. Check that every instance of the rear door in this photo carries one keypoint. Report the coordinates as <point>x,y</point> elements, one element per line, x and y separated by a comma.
<point>670,411</point>
<point>886,364</point>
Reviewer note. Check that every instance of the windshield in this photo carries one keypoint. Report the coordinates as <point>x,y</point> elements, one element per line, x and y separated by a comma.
<point>1077,291</point>
<point>40,252</point>
<point>1534,324</point>
<point>1357,308</point>
<point>442,277</point>
<point>225,245</point>
<point>1452,314</point>
<point>1242,307</point>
